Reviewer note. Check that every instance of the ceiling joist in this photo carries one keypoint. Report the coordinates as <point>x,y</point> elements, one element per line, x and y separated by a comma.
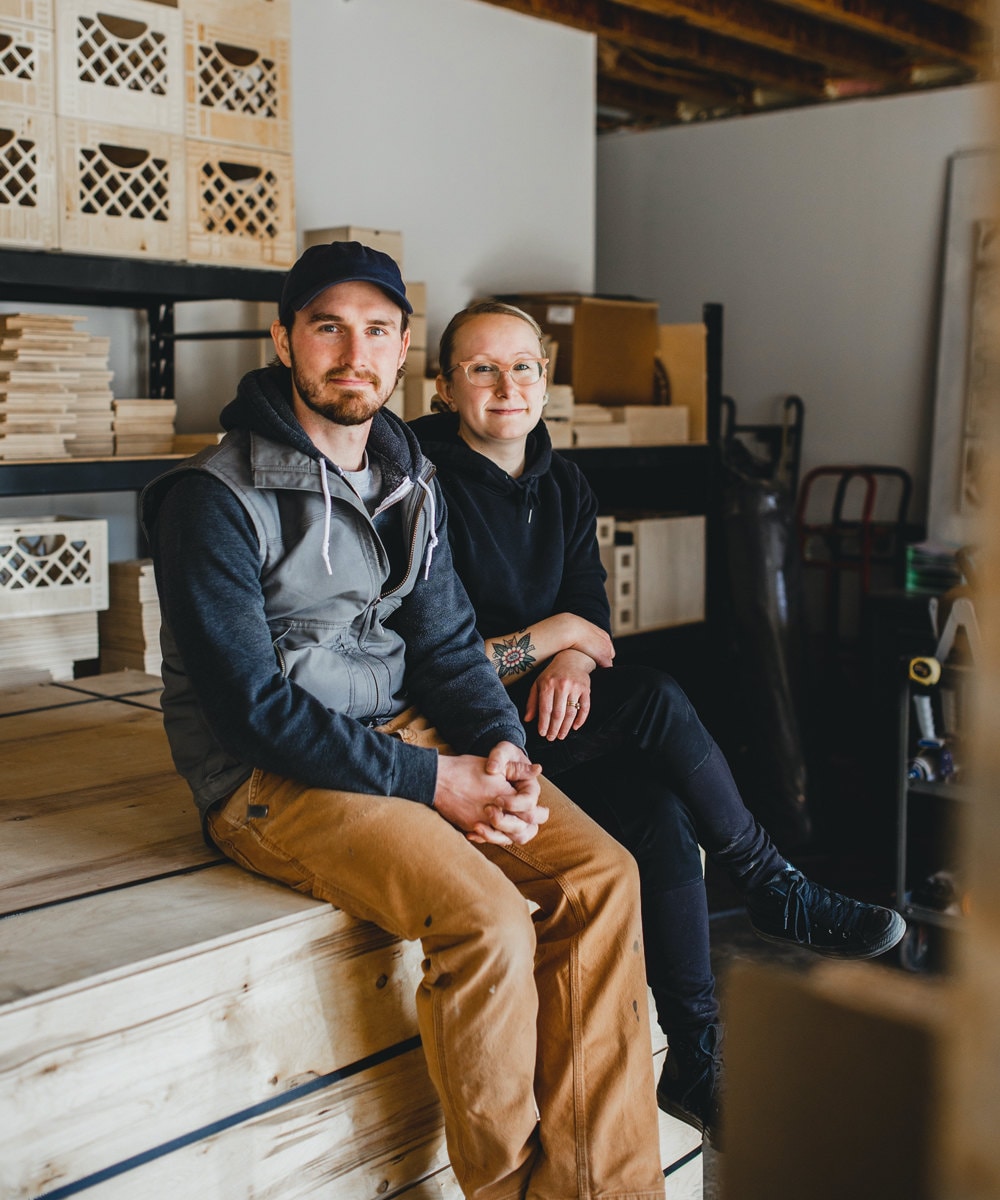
<point>661,62</point>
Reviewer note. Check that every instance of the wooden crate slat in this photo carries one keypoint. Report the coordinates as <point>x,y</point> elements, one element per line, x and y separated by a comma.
<point>140,1044</point>
<point>368,1135</point>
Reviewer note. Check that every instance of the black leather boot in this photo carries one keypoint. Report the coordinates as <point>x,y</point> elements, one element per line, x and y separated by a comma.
<point>690,1082</point>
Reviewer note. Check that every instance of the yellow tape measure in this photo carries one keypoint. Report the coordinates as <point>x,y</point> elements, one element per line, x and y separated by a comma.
<point>925,670</point>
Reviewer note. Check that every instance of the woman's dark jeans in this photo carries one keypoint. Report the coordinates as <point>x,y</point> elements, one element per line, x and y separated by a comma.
<point>646,769</point>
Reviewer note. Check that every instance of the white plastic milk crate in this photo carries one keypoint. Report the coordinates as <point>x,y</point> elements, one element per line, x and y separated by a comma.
<point>238,86</point>
<point>51,565</point>
<point>265,18</point>
<point>28,215</point>
<point>241,205</point>
<point>26,71</point>
<point>32,12</point>
<point>122,190</point>
<point>120,61</point>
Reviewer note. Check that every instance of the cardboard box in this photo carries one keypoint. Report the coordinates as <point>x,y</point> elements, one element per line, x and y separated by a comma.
<point>389,241</point>
<point>682,351</point>
<point>607,345</point>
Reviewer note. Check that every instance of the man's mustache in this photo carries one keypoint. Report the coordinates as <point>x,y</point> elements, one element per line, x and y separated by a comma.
<point>338,376</point>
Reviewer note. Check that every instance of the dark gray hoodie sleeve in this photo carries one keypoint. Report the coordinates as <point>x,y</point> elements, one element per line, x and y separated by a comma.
<point>207,570</point>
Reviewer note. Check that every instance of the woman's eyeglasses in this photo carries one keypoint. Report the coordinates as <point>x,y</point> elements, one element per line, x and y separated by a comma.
<point>524,372</point>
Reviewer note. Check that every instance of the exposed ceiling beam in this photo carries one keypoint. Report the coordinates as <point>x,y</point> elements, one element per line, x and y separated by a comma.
<point>682,43</point>
<point>668,61</point>
<point>926,28</point>
<point>639,102</point>
<point>847,35</point>
<point>629,65</point>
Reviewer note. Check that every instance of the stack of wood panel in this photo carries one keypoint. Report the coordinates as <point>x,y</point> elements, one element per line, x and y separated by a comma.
<point>130,626</point>
<point>171,1025</point>
<point>144,427</point>
<point>55,396</point>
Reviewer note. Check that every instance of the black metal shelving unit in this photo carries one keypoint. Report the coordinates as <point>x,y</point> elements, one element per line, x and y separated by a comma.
<point>931,802</point>
<point>146,285</point>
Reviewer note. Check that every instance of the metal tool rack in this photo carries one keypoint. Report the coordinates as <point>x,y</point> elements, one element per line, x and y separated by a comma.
<point>930,805</point>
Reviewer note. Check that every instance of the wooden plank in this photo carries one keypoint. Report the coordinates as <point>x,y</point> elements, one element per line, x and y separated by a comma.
<point>29,697</point>
<point>92,801</point>
<point>129,683</point>
<point>369,1135</point>
<point>139,1016</point>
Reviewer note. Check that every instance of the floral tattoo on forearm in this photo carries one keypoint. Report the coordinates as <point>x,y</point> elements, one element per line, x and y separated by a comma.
<point>514,656</point>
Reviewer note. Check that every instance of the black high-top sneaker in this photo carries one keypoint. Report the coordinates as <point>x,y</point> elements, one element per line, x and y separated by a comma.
<point>789,908</point>
<point>690,1083</point>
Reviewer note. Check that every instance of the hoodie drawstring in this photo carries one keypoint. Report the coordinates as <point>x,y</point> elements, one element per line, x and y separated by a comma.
<point>327,514</point>
<point>432,541</point>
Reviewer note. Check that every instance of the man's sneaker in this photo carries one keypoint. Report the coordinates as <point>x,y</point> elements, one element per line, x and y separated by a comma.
<point>690,1082</point>
<point>791,908</point>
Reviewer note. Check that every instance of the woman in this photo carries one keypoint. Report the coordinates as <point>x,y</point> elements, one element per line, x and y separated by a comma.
<point>623,742</point>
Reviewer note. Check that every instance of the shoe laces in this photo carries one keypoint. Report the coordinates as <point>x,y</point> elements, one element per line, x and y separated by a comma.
<point>808,904</point>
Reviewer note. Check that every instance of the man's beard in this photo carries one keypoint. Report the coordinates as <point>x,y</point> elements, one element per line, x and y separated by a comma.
<point>344,406</point>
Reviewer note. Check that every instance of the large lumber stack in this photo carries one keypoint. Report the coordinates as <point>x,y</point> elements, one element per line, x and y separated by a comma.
<point>171,1025</point>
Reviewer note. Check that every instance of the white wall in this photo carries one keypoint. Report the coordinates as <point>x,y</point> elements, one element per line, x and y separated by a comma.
<point>467,127</point>
<point>820,231</point>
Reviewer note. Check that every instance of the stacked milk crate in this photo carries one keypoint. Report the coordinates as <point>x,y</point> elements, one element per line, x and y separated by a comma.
<point>27,125</point>
<point>143,129</point>
<point>53,582</point>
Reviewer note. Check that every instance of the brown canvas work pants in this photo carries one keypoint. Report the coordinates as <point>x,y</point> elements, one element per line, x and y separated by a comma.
<point>535,1024</point>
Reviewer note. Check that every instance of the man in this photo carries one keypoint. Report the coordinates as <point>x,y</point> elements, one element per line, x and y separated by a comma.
<point>327,699</point>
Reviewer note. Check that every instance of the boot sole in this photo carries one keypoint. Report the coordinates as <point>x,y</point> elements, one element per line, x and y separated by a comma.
<point>892,937</point>
<point>679,1113</point>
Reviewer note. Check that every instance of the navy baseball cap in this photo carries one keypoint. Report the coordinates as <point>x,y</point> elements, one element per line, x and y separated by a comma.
<point>320,267</point>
